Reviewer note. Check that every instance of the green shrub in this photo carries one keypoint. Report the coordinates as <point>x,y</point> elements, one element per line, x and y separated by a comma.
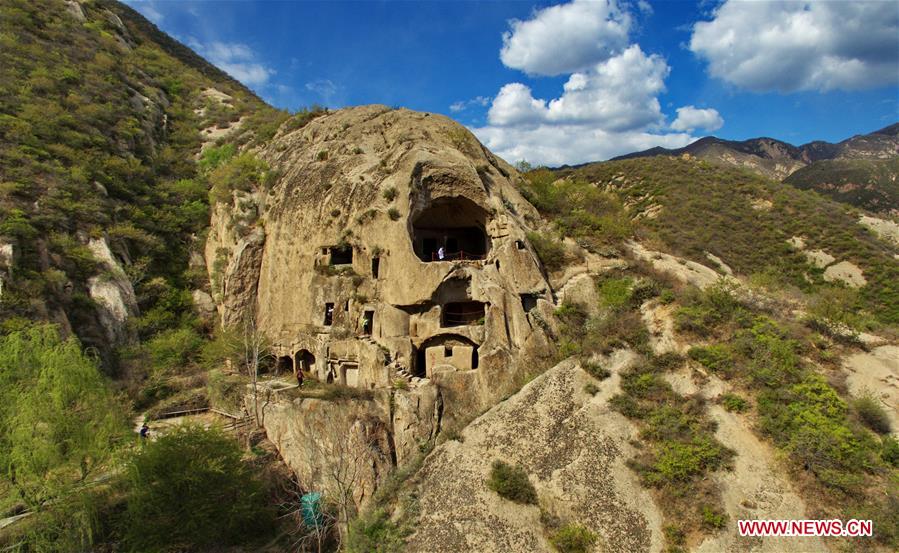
<point>374,532</point>
<point>717,357</point>
<point>172,349</point>
<point>682,462</point>
<point>389,193</point>
<point>616,293</point>
<point>322,155</point>
<point>713,518</point>
<point>549,249</point>
<point>393,213</point>
<point>214,156</point>
<point>591,388</point>
<point>734,403</point>
<point>243,172</point>
<point>889,450</point>
<point>667,296</point>
<point>58,416</point>
<point>189,490</point>
<point>573,538</point>
<point>809,420</point>
<point>512,483</point>
<point>872,414</point>
<point>596,370</point>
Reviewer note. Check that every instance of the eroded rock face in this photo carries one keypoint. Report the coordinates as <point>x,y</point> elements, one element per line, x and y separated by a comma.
<point>113,293</point>
<point>573,446</point>
<point>391,248</point>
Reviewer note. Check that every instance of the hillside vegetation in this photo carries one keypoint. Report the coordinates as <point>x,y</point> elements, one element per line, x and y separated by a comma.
<point>865,183</point>
<point>102,121</point>
<point>776,369</point>
<point>692,208</point>
<point>100,116</point>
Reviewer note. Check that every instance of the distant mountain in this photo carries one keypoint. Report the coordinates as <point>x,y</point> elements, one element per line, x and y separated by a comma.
<point>861,170</point>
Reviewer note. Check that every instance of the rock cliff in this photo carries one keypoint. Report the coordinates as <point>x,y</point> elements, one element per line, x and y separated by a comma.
<point>389,255</point>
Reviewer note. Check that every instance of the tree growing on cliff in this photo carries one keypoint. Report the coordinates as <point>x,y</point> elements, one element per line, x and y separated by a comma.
<point>256,353</point>
<point>340,459</point>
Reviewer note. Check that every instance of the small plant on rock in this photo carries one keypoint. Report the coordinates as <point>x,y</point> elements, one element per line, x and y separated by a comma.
<point>511,482</point>
<point>573,538</point>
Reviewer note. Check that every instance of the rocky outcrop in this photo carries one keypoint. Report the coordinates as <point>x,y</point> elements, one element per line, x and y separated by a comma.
<point>113,293</point>
<point>352,444</point>
<point>343,269</point>
<point>573,446</point>
<point>390,256</point>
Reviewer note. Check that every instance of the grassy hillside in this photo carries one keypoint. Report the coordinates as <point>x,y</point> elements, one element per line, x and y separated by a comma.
<point>100,139</point>
<point>695,207</point>
<point>780,371</point>
<point>864,183</point>
<point>100,115</point>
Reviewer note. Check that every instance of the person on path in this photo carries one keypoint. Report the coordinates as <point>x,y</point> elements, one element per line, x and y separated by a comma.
<point>441,253</point>
<point>144,432</point>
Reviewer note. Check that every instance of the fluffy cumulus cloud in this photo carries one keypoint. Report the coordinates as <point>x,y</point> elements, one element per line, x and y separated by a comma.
<point>617,94</point>
<point>690,118</point>
<point>238,60</point>
<point>609,104</point>
<point>566,38</point>
<point>789,46</point>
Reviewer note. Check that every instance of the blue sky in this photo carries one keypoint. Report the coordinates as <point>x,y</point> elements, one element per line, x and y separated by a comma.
<point>568,82</point>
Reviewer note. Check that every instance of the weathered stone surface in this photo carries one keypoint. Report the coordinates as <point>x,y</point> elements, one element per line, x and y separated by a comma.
<point>113,293</point>
<point>351,231</point>
<point>574,448</point>
<point>354,443</point>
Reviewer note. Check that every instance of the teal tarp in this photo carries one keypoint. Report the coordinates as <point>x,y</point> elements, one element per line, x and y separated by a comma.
<point>310,505</point>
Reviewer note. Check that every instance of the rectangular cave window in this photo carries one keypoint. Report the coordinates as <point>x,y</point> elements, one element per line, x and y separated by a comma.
<point>447,351</point>
<point>342,255</point>
<point>519,244</point>
<point>329,314</point>
<point>462,313</point>
<point>528,301</point>
<point>346,305</point>
<point>375,266</point>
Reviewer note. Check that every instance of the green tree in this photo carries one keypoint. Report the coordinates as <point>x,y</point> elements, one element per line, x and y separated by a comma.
<point>190,490</point>
<point>58,417</point>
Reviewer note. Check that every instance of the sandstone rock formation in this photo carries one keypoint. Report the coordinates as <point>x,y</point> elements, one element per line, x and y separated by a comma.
<point>391,256</point>
<point>574,446</point>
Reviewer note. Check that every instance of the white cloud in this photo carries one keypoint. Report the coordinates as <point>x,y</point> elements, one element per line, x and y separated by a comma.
<point>569,144</point>
<point>618,94</point>
<point>689,118</point>
<point>609,104</point>
<point>323,87</point>
<point>791,46</point>
<point>238,60</point>
<point>462,105</point>
<point>566,38</point>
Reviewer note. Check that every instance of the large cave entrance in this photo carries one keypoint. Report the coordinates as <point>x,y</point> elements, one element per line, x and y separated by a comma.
<point>461,313</point>
<point>304,361</point>
<point>451,229</point>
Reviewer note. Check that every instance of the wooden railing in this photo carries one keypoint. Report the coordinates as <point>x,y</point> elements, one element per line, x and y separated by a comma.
<point>460,255</point>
